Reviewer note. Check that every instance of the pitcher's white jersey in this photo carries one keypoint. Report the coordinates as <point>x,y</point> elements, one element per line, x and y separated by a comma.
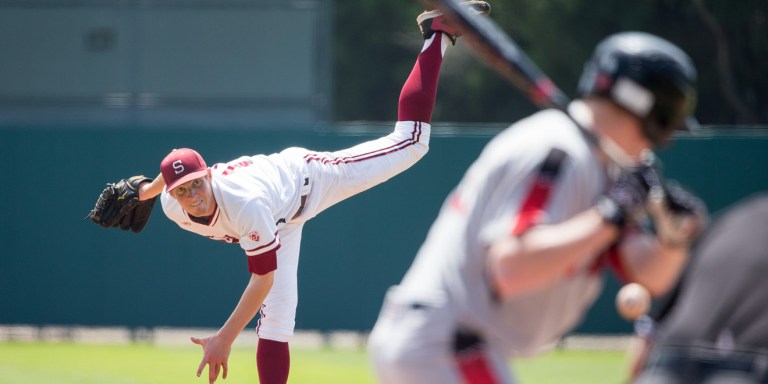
<point>255,196</point>
<point>258,195</point>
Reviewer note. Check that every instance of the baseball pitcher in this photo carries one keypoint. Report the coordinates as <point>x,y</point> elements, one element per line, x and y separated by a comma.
<point>262,202</point>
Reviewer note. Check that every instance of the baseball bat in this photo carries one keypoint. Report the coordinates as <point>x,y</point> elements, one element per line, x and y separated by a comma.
<point>503,55</point>
<point>499,51</point>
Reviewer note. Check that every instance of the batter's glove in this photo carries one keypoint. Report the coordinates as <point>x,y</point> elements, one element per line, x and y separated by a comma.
<point>678,215</point>
<point>118,205</point>
<point>625,200</point>
<point>681,201</point>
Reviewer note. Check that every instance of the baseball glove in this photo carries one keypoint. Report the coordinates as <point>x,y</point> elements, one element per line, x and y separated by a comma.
<point>118,205</point>
<point>681,201</point>
<point>625,200</point>
<point>678,215</point>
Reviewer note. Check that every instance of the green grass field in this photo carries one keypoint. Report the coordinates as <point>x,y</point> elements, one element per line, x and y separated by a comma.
<point>67,363</point>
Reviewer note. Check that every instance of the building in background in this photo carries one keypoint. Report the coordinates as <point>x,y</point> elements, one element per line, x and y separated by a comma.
<point>165,62</point>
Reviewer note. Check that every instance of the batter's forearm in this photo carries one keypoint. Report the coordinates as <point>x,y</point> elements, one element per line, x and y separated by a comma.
<point>529,262</point>
<point>653,265</point>
<point>253,296</point>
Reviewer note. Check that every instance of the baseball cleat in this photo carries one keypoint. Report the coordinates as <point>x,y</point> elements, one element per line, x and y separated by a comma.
<point>433,21</point>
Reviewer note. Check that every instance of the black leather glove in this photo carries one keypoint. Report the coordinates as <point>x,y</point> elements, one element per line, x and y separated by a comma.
<point>627,195</point>
<point>118,205</point>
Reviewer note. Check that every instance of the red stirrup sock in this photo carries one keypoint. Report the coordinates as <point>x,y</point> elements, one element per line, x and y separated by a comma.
<point>417,99</point>
<point>273,360</point>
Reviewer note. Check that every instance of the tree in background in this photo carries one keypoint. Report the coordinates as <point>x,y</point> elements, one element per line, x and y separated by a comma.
<point>728,42</point>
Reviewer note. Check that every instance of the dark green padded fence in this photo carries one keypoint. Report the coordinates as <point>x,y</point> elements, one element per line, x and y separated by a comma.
<point>57,268</point>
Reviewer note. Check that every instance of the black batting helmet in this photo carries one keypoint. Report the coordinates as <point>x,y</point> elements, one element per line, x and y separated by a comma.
<point>648,76</point>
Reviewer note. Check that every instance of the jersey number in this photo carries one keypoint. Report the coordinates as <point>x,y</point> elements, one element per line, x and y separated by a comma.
<point>232,166</point>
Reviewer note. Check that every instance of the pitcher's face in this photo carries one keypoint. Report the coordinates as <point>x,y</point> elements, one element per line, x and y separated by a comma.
<point>196,197</point>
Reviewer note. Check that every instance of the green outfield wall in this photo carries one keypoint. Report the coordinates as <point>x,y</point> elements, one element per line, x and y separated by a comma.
<point>58,269</point>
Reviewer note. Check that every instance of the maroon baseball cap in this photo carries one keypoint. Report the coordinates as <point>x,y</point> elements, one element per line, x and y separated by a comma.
<point>182,165</point>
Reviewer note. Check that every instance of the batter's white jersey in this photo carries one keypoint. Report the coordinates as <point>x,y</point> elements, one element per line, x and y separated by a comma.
<point>263,202</point>
<point>539,171</point>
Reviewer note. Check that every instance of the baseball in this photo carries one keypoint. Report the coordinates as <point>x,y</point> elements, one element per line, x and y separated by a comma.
<point>633,301</point>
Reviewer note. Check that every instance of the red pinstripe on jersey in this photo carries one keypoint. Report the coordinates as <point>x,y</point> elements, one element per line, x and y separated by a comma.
<point>216,214</point>
<point>259,249</point>
<point>263,259</point>
<point>476,369</point>
<point>539,194</point>
<point>415,137</point>
<point>472,359</point>
<point>530,212</point>
<point>262,315</point>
